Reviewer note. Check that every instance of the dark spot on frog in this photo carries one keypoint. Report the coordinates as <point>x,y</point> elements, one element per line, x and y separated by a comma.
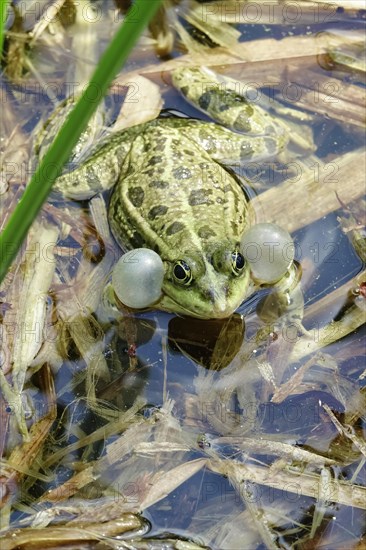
<point>199,196</point>
<point>156,248</point>
<point>220,200</point>
<point>160,142</point>
<point>155,160</point>
<point>136,196</point>
<point>175,227</point>
<point>184,90</point>
<point>242,122</point>
<point>159,147</point>
<point>157,211</point>
<point>205,232</point>
<point>223,107</point>
<point>91,176</point>
<point>153,171</point>
<point>159,184</point>
<point>205,100</point>
<point>234,227</point>
<point>182,173</point>
<point>189,153</point>
<point>137,240</point>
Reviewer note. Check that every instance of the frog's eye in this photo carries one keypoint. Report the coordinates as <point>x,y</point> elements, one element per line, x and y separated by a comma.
<point>182,273</point>
<point>228,262</point>
<point>237,262</point>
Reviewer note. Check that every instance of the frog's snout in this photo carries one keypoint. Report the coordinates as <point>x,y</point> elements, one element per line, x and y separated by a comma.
<point>219,302</point>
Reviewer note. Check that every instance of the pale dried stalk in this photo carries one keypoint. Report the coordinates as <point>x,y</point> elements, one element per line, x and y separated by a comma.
<point>85,39</point>
<point>142,104</point>
<point>71,486</point>
<point>46,18</point>
<point>321,504</point>
<point>354,318</point>
<point>43,538</point>
<point>22,459</point>
<point>39,268</point>
<point>296,204</point>
<point>124,421</point>
<point>257,514</point>
<point>346,4</point>
<point>299,482</point>
<point>24,323</point>
<point>74,308</point>
<point>135,439</point>
<point>269,447</point>
<point>164,482</point>
<point>261,51</point>
<point>329,96</point>
<point>289,387</point>
<point>274,12</point>
<point>221,33</point>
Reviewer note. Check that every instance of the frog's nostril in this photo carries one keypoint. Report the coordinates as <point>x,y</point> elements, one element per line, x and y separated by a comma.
<point>210,295</point>
<point>217,298</point>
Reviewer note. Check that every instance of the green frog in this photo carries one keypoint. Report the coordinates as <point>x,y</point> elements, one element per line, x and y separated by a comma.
<point>174,192</point>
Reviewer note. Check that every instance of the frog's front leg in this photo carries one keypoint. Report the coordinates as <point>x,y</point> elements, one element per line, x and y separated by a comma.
<point>98,173</point>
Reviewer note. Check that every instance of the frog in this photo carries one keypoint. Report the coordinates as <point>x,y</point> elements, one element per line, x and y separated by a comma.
<point>173,190</point>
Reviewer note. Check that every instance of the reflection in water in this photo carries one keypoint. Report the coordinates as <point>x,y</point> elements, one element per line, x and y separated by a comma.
<point>210,343</point>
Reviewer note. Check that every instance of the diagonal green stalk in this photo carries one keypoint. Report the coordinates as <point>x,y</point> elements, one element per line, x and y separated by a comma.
<point>3,13</point>
<point>41,183</point>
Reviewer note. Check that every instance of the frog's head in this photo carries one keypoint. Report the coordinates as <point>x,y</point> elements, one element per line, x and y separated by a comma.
<point>210,284</point>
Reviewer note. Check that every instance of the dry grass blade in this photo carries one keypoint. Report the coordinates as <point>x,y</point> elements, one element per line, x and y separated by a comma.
<point>22,461</point>
<point>163,483</point>
<point>124,421</point>
<point>24,322</point>
<point>296,204</point>
<point>141,91</point>
<point>276,448</point>
<point>37,539</point>
<point>299,483</point>
<point>38,273</point>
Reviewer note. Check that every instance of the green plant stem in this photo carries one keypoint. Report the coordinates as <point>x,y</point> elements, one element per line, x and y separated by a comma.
<point>3,14</point>
<point>40,185</point>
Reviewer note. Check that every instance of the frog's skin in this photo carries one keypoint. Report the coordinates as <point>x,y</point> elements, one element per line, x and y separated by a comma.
<point>217,96</point>
<point>173,195</point>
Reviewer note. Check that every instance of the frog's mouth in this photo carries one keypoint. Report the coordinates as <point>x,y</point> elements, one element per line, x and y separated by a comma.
<point>167,303</point>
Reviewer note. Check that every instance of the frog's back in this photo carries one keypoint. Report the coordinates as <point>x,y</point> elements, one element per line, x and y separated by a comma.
<point>172,195</point>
